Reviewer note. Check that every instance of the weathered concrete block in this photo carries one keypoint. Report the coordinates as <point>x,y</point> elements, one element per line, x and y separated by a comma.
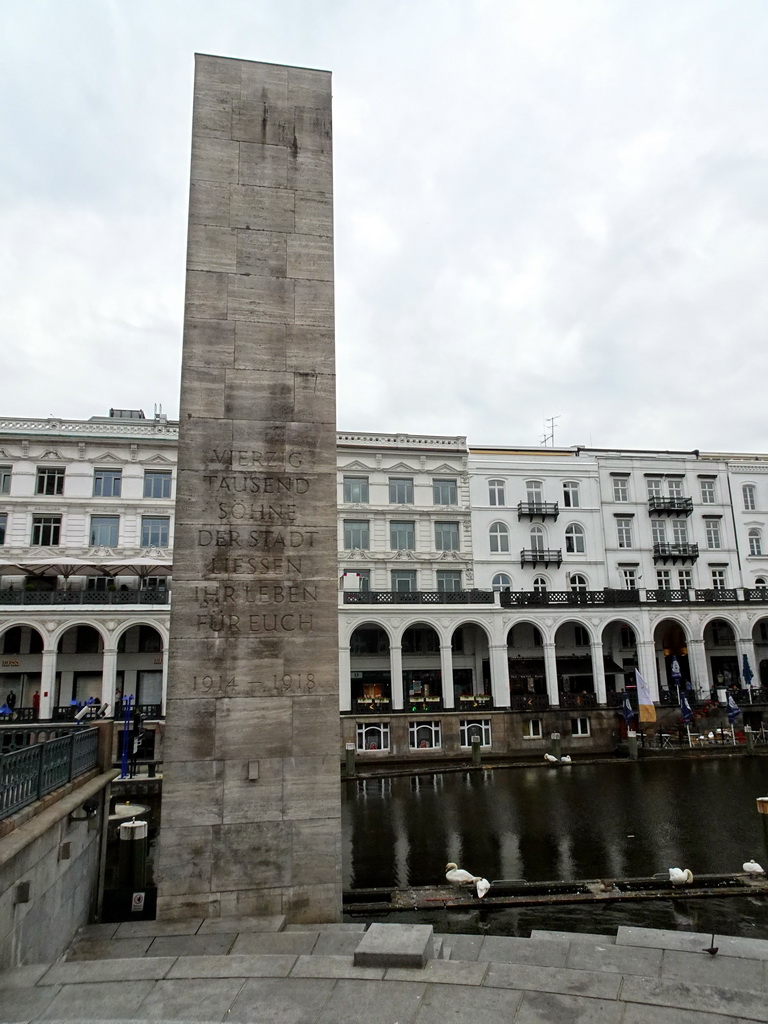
<point>395,945</point>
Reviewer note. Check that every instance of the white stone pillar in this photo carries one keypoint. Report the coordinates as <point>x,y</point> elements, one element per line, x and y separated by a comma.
<point>165,679</point>
<point>648,666</point>
<point>109,675</point>
<point>550,668</point>
<point>47,683</point>
<point>499,675</point>
<point>598,670</point>
<point>697,662</point>
<point>396,676</point>
<point>446,673</point>
<point>345,680</point>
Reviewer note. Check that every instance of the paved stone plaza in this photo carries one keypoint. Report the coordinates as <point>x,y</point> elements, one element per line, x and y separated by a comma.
<point>262,971</point>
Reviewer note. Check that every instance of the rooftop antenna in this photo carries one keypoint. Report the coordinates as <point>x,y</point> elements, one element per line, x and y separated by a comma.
<point>549,427</point>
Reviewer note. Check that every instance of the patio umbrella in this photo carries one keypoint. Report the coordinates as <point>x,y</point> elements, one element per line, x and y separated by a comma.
<point>141,567</point>
<point>66,568</point>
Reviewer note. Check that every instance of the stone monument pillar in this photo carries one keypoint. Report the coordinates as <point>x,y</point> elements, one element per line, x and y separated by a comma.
<point>251,796</point>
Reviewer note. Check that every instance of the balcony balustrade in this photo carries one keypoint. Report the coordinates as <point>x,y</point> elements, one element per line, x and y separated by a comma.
<point>419,597</point>
<point>717,595</point>
<point>675,553</point>
<point>133,595</point>
<point>529,702</point>
<point>541,556</point>
<point>538,510</point>
<point>671,506</point>
<point>578,701</point>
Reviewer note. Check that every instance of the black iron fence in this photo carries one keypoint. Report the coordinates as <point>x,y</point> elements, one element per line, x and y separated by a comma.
<point>418,597</point>
<point>29,772</point>
<point>154,595</point>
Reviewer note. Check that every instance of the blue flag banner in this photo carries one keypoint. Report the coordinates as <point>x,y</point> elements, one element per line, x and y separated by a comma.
<point>685,709</point>
<point>644,699</point>
<point>674,670</point>
<point>733,709</point>
<point>626,710</point>
<point>746,671</point>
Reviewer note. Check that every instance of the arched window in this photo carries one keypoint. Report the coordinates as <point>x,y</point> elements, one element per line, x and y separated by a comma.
<point>537,538</point>
<point>578,582</point>
<point>501,581</point>
<point>499,537</point>
<point>755,542</point>
<point>539,584</point>
<point>748,492</point>
<point>574,539</point>
<point>496,492</point>
<point>571,494</point>
<point>761,582</point>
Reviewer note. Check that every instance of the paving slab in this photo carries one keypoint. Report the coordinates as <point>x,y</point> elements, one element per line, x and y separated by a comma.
<point>442,972</point>
<point>691,996</point>
<point>77,972</point>
<point>282,1001</point>
<point>21,977</point>
<point>334,967</point>
<point>135,929</point>
<point>442,1005</point>
<point>735,945</point>
<point>329,926</point>
<point>549,979</point>
<point>336,943</point>
<point>636,1014</point>
<point>508,949</point>
<point>595,956</point>
<point>98,931</point>
<point>374,1002</point>
<point>463,947</point>
<point>26,1003</point>
<point>233,966</point>
<point>729,972</point>
<point>548,1008</point>
<point>192,945</point>
<point>108,1000</point>
<point>395,945</point>
<point>660,938</point>
<point>277,942</point>
<point>265,923</point>
<point>107,949</point>
<point>191,999</point>
<point>540,933</point>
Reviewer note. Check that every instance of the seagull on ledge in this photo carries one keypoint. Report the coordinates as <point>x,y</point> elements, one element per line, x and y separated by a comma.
<point>458,876</point>
<point>678,877</point>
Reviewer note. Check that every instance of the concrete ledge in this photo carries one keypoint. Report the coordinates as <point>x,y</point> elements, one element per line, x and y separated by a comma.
<point>395,945</point>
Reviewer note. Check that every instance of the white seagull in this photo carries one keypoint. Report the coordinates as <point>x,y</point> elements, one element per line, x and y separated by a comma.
<point>678,877</point>
<point>752,868</point>
<point>458,876</point>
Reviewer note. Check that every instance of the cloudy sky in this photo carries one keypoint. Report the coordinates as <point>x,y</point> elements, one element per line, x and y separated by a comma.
<point>543,208</point>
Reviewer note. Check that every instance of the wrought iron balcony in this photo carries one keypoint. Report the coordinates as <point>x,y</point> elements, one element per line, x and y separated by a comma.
<point>578,701</point>
<point>675,553</point>
<point>529,702</point>
<point>671,506</point>
<point>538,510</point>
<point>759,595</point>
<point>719,594</point>
<point>154,595</point>
<point>541,556</point>
<point>567,598</point>
<point>664,596</point>
<point>418,597</point>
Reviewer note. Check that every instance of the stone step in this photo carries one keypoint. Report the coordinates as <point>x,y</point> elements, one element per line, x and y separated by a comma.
<point>538,933</point>
<point>395,945</point>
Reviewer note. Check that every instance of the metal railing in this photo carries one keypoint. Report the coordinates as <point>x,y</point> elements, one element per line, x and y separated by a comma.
<point>418,597</point>
<point>684,552</point>
<point>541,556</point>
<point>153,595</point>
<point>658,504</point>
<point>528,702</point>
<point>538,508</point>
<point>28,773</point>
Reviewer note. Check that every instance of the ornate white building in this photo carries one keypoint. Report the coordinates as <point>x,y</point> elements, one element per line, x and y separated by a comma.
<point>499,592</point>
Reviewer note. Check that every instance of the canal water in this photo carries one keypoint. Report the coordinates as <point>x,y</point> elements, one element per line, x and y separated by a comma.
<point>608,820</point>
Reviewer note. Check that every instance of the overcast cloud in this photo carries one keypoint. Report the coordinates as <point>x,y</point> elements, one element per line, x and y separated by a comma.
<point>543,207</point>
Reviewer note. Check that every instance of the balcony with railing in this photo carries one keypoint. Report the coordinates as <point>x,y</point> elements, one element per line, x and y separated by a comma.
<point>670,506</point>
<point>419,597</point>
<point>683,552</point>
<point>538,510</point>
<point>123,596</point>
<point>541,556</point>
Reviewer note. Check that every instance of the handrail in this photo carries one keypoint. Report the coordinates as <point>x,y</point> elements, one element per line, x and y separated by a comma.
<point>29,773</point>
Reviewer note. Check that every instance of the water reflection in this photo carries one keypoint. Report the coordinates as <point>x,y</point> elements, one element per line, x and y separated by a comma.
<point>583,821</point>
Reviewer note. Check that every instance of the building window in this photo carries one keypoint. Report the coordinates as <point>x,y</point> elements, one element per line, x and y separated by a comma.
<point>658,531</point>
<point>571,494</point>
<point>424,735</point>
<point>356,534</point>
<point>679,531</point>
<point>401,490</point>
<point>538,639</point>
<point>684,579</point>
<point>539,585</point>
<point>534,492</point>
<point>663,579</point>
<point>154,531</point>
<point>579,727</point>
<point>446,536</point>
<point>5,479</point>
<point>713,533</point>
<point>580,636</point>
<point>755,542</point>
<point>445,492</point>
<point>404,580</point>
<point>574,539</point>
<point>653,484</point>
<point>107,483</point>
<point>629,578</point>
<point>578,582</point>
<point>99,584</point>
<point>3,526</point>
<point>49,481</point>
<point>496,495</point>
<point>475,727</point>
<point>624,532</point>
<point>364,577</point>
<point>627,638</point>
<point>760,581</point>
<point>536,538</point>
<point>532,729</point>
<point>718,579</point>
<point>372,736</point>
<point>501,581</point>
<point>104,530</point>
<point>675,488</point>
<point>46,531</point>
<point>154,583</point>
<point>402,536</point>
<point>499,538</point>
<point>749,493</point>
<point>448,581</point>
<point>157,483</point>
<point>355,489</point>
<point>707,492</point>
<point>621,488</point>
